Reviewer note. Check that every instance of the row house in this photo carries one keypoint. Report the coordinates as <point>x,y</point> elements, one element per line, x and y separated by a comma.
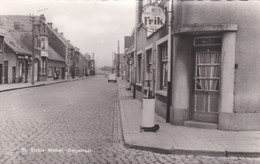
<point>88,64</point>
<point>32,50</point>
<point>56,65</point>
<point>83,65</point>
<point>15,60</point>
<point>71,63</point>
<point>75,63</point>
<point>30,32</point>
<point>202,64</point>
<point>65,49</point>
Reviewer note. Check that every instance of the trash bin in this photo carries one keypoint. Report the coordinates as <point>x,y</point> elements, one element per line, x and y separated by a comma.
<point>148,115</point>
<point>148,112</point>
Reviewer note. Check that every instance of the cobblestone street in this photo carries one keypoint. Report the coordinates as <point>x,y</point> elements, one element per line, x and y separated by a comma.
<point>74,122</point>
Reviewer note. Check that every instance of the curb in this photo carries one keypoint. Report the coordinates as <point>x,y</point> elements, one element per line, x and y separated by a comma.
<point>194,152</point>
<point>184,151</point>
<point>39,85</point>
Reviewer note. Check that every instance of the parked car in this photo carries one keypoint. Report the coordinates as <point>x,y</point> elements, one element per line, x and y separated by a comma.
<point>112,77</point>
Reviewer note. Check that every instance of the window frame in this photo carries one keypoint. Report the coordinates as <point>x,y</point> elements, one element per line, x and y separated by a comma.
<point>163,59</point>
<point>1,44</point>
<point>139,67</point>
<point>163,40</point>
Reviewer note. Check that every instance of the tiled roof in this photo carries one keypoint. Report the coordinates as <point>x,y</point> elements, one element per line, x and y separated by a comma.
<point>15,45</point>
<point>53,55</point>
<point>62,38</point>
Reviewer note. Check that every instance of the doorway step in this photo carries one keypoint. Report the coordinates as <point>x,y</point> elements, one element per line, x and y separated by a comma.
<point>198,124</point>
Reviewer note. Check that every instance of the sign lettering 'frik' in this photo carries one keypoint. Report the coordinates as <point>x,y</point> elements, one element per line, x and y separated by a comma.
<point>153,17</point>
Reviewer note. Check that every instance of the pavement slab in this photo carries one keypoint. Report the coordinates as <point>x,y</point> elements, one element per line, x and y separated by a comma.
<point>180,139</point>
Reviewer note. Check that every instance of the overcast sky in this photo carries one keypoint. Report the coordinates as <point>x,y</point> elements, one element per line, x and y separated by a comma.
<point>91,25</point>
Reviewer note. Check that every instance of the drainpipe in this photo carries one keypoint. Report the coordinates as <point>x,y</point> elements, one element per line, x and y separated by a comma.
<point>169,63</point>
<point>135,49</point>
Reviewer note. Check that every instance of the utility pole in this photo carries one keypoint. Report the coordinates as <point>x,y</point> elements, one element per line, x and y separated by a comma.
<point>118,73</point>
<point>33,55</point>
<point>112,62</point>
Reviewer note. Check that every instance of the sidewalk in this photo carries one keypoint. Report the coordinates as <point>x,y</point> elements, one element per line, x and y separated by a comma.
<point>179,139</point>
<point>15,86</point>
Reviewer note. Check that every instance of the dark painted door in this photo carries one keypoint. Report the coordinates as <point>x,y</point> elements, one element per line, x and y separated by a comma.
<point>14,74</point>
<point>6,72</point>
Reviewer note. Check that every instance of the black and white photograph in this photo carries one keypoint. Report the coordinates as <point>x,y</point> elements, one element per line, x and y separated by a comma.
<point>129,81</point>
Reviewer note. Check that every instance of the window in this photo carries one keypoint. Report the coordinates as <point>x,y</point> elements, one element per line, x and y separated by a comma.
<point>208,41</point>
<point>43,67</point>
<point>149,60</point>
<point>1,44</point>
<point>139,67</point>
<point>50,71</point>
<point>37,42</point>
<point>43,44</point>
<point>163,57</point>
<point>21,70</point>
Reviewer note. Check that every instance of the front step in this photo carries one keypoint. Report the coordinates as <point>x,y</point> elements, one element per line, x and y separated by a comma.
<point>203,125</point>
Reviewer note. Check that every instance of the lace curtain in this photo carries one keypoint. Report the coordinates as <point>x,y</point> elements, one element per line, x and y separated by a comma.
<point>208,70</point>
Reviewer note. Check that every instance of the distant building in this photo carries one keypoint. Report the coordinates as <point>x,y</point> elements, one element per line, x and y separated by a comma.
<point>56,65</point>
<point>129,57</point>
<point>87,64</point>
<point>64,48</point>
<point>92,66</point>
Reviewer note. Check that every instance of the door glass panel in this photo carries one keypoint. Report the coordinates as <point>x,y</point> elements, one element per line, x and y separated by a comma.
<point>213,103</point>
<point>201,102</point>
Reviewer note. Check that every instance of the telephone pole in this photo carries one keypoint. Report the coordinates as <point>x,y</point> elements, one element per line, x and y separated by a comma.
<point>118,69</point>
<point>33,55</point>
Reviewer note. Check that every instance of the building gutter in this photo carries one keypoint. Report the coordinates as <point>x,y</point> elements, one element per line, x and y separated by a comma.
<point>169,64</point>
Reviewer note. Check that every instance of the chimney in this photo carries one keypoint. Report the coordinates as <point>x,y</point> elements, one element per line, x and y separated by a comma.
<point>69,41</point>
<point>61,33</point>
<point>56,29</point>
<point>50,24</point>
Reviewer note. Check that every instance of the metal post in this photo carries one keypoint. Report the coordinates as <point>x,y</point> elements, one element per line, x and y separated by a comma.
<point>118,73</point>
<point>169,63</point>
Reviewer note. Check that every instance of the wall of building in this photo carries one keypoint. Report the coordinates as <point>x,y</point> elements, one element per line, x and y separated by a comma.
<point>81,66</point>
<point>56,64</point>
<point>142,43</point>
<point>181,81</point>
<point>247,51</point>
<point>245,111</point>
<point>23,21</point>
<point>12,62</point>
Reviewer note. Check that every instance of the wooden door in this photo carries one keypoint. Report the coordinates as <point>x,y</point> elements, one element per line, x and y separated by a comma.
<point>206,86</point>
